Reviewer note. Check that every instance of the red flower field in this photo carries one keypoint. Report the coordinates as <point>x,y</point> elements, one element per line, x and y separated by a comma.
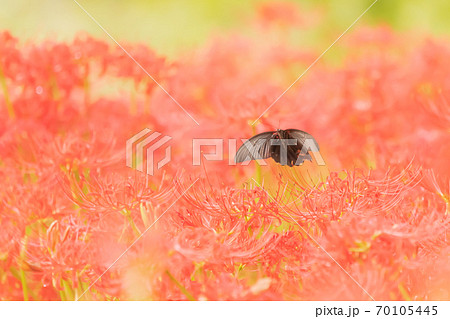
<point>77,223</point>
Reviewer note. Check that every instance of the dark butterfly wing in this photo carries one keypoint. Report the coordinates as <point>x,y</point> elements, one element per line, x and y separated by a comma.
<point>302,137</point>
<point>257,147</point>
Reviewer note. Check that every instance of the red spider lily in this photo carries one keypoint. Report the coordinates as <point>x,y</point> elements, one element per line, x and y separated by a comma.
<point>78,223</point>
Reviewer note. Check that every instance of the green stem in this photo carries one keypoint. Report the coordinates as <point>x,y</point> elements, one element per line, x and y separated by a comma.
<point>404,292</point>
<point>144,217</point>
<point>23,279</point>
<point>447,204</point>
<point>131,221</point>
<point>258,167</point>
<point>84,286</point>
<point>62,296</point>
<point>68,291</point>
<point>133,225</point>
<point>182,288</point>
<point>258,173</point>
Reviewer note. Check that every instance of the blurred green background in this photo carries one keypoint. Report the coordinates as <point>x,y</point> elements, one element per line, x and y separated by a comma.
<point>171,26</point>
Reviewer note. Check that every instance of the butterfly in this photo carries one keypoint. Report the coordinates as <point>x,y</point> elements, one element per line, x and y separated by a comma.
<point>287,147</point>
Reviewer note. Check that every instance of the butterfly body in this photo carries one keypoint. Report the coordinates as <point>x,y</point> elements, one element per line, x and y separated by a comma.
<point>284,146</point>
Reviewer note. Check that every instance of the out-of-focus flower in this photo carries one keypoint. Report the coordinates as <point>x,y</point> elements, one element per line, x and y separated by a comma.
<point>69,206</point>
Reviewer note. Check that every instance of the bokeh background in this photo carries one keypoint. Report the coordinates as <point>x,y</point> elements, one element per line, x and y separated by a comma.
<point>172,26</point>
